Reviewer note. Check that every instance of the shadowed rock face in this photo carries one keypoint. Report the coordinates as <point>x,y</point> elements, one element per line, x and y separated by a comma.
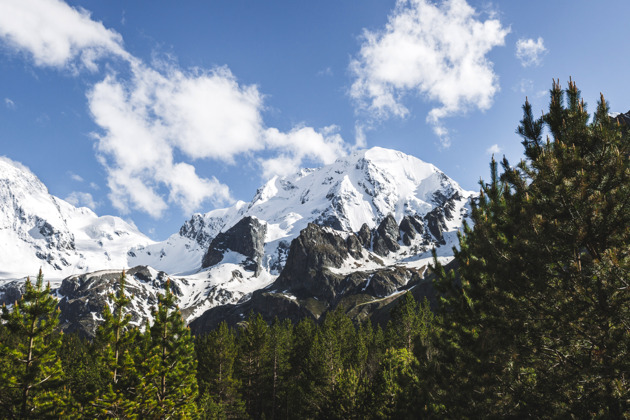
<point>311,252</point>
<point>387,236</point>
<point>247,237</point>
<point>307,287</point>
<point>410,227</point>
<point>365,236</point>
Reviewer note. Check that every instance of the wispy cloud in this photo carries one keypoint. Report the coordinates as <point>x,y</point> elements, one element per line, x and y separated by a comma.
<point>9,103</point>
<point>75,177</point>
<point>530,52</point>
<point>525,86</point>
<point>81,199</point>
<point>156,121</point>
<point>435,51</point>
<point>325,72</point>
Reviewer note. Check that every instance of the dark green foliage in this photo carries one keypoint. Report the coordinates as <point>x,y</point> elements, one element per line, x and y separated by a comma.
<point>537,323</point>
<point>252,342</point>
<point>409,322</point>
<point>115,346</point>
<point>218,388</point>
<point>278,368</point>
<point>84,375</point>
<point>31,374</point>
<point>167,385</point>
<point>335,370</point>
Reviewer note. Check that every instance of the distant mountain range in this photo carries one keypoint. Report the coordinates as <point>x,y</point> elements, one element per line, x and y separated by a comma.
<point>356,232</point>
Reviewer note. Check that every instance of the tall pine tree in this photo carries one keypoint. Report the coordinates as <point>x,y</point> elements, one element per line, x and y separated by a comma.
<point>116,341</point>
<point>218,387</point>
<point>168,367</point>
<point>536,322</point>
<point>31,375</point>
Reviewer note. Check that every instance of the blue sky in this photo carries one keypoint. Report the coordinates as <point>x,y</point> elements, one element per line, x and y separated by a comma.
<point>152,110</point>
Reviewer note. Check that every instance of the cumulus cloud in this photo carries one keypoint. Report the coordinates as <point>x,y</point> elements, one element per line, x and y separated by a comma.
<point>435,51</point>
<point>57,35</point>
<point>493,150</point>
<point>145,121</point>
<point>157,121</point>
<point>149,119</point>
<point>530,52</point>
<point>299,144</point>
<point>81,199</point>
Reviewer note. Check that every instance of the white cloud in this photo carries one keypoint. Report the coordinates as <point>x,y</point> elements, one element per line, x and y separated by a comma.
<point>94,186</point>
<point>530,52</point>
<point>301,143</point>
<point>56,34</point>
<point>156,121</point>
<point>493,150</point>
<point>145,121</point>
<point>200,115</point>
<point>81,199</point>
<point>436,51</point>
<point>75,177</point>
<point>9,103</point>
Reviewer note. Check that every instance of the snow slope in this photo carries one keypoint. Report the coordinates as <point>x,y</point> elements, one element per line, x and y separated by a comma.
<point>40,230</point>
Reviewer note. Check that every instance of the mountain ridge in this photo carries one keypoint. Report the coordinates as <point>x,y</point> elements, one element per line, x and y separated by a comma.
<point>387,209</point>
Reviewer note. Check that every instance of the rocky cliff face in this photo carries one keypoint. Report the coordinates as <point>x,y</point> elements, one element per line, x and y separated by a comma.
<point>324,269</point>
<point>247,237</point>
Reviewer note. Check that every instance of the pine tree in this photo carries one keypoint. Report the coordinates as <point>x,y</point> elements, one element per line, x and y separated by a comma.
<point>277,368</point>
<point>410,323</point>
<point>299,379</point>
<point>536,322</point>
<point>331,353</point>
<point>83,374</point>
<point>397,386</point>
<point>31,377</point>
<point>218,387</point>
<point>253,344</point>
<point>116,341</point>
<point>168,384</point>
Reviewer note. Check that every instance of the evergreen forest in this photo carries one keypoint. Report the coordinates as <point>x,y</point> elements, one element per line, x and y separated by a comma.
<point>533,318</point>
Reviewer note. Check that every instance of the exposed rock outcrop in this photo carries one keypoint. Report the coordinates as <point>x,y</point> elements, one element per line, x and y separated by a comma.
<point>387,236</point>
<point>85,297</point>
<point>311,284</point>
<point>247,237</point>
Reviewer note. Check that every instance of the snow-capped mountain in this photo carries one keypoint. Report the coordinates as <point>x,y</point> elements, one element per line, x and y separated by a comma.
<point>387,210</point>
<point>362,188</point>
<point>38,229</point>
